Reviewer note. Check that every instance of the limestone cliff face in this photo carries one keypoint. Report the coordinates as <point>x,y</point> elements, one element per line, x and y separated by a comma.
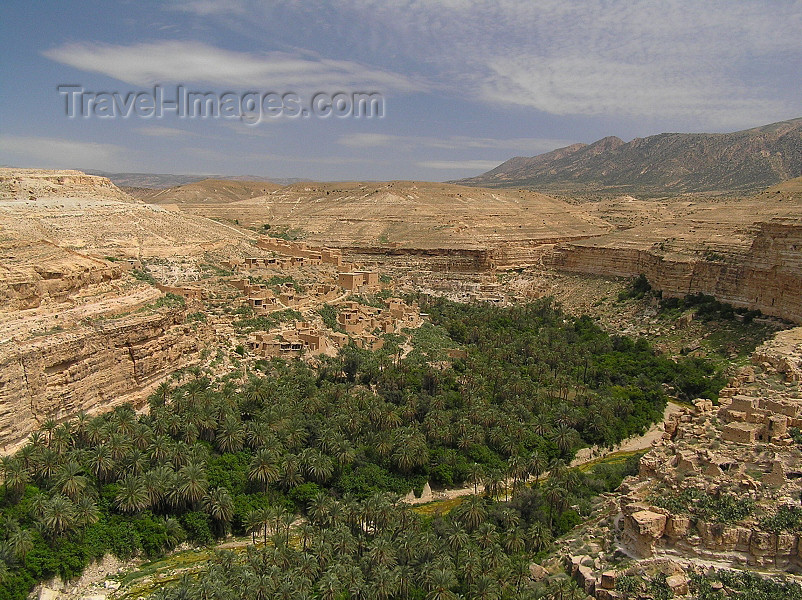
<point>37,271</point>
<point>767,276</point>
<point>92,368</point>
<point>31,184</point>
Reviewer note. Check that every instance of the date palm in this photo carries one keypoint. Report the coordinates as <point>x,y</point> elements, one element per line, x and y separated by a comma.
<point>537,464</point>
<point>219,505</point>
<point>472,512</point>
<point>100,463</point>
<point>132,495</point>
<point>230,436</point>
<point>86,512</point>
<point>290,472</point>
<point>494,484</point>
<point>69,480</point>
<point>15,476</point>
<point>264,468</point>
<point>20,542</point>
<point>191,484</point>
<point>58,516</point>
<point>476,473</point>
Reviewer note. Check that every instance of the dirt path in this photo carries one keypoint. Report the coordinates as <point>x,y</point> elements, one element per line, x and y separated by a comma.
<point>585,455</point>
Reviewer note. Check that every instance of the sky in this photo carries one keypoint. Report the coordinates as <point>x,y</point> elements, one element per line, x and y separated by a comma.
<point>463,84</point>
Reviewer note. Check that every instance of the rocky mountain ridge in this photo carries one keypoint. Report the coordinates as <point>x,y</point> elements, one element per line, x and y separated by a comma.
<point>667,163</point>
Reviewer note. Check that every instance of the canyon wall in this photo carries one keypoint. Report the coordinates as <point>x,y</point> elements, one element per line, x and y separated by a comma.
<point>767,276</point>
<point>92,368</point>
<point>39,271</point>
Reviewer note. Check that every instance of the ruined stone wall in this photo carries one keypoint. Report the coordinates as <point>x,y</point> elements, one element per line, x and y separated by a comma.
<point>426,259</point>
<point>90,368</point>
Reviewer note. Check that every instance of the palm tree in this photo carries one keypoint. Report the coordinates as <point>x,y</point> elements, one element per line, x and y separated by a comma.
<point>100,463</point>
<point>538,536</point>
<point>384,583</point>
<point>475,475</point>
<point>290,472</point>
<point>494,483</point>
<point>15,477</point>
<point>264,468</point>
<point>230,435</point>
<point>132,495</point>
<point>21,542</point>
<point>518,469</point>
<point>537,464</point>
<point>253,524</point>
<point>486,588</point>
<point>564,437</point>
<point>472,512</point>
<point>555,497</point>
<point>319,509</point>
<point>319,466</point>
<point>329,586</point>
<point>58,516</point>
<point>86,512</point>
<point>439,585</point>
<point>192,484</point>
<point>69,480</point>
<point>457,540</point>
<point>220,506</point>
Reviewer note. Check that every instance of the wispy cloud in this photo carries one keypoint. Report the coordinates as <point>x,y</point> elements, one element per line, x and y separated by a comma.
<point>56,153</point>
<point>721,64</point>
<point>528,146</point>
<point>204,8</point>
<point>165,132</point>
<point>465,165</point>
<point>197,62</point>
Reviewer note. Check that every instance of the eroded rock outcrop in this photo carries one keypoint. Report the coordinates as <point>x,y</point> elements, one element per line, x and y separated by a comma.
<point>761,269</point>
<point>91,368</point>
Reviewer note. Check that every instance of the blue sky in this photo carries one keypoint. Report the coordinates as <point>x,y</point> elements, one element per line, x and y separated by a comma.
<point>466,84</point>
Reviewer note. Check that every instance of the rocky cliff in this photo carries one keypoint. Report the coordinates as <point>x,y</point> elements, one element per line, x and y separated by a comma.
<point>91,367</point>
<point>32,184</point>
<point>762,270</point>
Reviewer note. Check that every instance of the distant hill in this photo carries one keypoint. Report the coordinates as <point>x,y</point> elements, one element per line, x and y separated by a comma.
<point>208,191</point>
<point>159,181</point>
<point>743,161</point>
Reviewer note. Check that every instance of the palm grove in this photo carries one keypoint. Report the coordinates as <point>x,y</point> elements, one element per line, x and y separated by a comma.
<point>337,444</point>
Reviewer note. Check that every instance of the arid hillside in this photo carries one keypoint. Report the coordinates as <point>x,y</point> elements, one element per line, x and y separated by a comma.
<point>404,214</point>
<point>209,191</point>
<point>81,327</point>
<point>668,163</point>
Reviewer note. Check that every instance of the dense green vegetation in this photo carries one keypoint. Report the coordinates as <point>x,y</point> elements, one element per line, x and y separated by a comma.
<point>787,519</point>
<point>329,315</point>
<point>743,584</point>
<point>249,324</point>
<point>244,454</point>
<point>377,548</point>
<point>720,508</point>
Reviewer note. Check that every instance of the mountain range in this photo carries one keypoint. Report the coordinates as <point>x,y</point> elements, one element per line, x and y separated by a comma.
<point>742,161</point>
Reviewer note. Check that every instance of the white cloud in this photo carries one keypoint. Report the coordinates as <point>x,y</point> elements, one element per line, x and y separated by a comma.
<point>204,8</point>
<point>528,146</point>
<point>165,132</point>
<point>197,62</point>
<point>55,153</point>
<point>465,165</point>
<point>719,64</point>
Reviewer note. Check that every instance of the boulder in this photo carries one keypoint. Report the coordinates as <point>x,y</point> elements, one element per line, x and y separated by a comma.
<point>650,524</point>
<point>537,572</point>
<point>678,584</point>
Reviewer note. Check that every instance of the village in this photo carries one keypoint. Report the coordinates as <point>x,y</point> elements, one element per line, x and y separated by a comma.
<point>339,285</point>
